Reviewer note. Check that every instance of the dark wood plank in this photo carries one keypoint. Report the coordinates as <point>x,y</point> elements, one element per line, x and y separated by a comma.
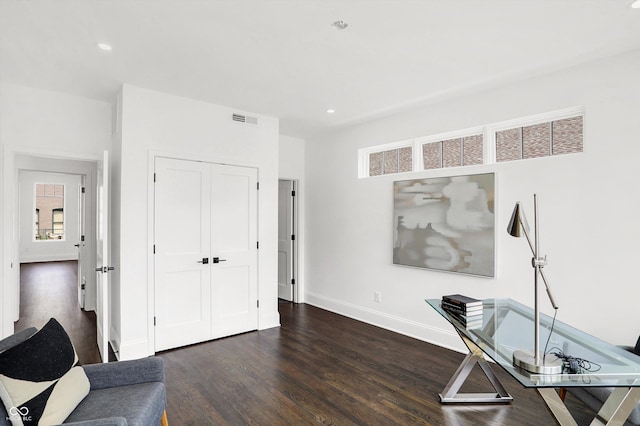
<point>323,368</point>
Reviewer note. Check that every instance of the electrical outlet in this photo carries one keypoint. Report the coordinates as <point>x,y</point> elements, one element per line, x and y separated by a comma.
<point>377,296</point>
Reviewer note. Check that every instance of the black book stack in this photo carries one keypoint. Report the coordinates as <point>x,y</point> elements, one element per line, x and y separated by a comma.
<point>466,310</point>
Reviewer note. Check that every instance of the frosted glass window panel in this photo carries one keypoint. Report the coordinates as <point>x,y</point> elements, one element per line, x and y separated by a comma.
<point>509,144</point>
<point>536,140</point>
<point>543,135</point>
<point>452,153</point>
<point>432,155</point>
<point>390,162</point>
<point>568,135</point>
<point>405,159</point>
<point>473,150</point>
<point>375,164</point>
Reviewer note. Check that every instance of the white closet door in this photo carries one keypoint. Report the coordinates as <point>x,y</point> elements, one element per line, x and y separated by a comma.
<point>285,242</point>
<point>182,244</point>
<point>233,249</point>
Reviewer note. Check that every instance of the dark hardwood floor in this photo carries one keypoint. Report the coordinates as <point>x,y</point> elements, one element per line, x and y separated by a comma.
<point>323,368</point>
<point>317,368</point>
<point>49,290</point>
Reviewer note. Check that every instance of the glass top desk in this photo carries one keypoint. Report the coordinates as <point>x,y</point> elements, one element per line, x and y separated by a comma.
<point>508,326</point>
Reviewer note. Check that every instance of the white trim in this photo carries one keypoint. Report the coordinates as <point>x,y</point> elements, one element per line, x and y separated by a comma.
<point>151,278</point>
<point>114,341</point>
<point>443,337</point>
<point>536,119</point>
<point>455,134</point>
<point>57,257</point>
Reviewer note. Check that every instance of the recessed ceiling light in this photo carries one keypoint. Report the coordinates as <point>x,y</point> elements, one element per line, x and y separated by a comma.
<point>106,47</point>
<point>331,111</point>
<point>636,4</point>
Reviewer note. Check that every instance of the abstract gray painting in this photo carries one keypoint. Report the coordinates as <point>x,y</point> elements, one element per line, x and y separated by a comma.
<point>446,223</point>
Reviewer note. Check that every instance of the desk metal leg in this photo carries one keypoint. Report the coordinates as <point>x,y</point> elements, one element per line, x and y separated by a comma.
<point>475,356</point>
<point>615,410</point>
<point>557,407</point>
<point>617,407</point>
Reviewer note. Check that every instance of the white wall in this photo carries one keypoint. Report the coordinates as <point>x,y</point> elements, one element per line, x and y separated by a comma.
<point>157,123</point>
<point>32,250</point>
<point>589,204</point>
<point>40,123</point>
<point>292,167</point>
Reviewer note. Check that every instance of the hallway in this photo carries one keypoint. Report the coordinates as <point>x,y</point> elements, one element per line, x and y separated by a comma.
<point>48,290</point>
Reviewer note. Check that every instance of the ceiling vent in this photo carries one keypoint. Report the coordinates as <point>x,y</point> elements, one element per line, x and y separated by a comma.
<point>245,119</point>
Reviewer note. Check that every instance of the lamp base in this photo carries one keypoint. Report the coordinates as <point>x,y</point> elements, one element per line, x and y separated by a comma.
<point>527,361</point>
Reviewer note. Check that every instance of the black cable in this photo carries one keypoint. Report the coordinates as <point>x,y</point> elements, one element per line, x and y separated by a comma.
<point>570,363</point>
<point>573,364</point>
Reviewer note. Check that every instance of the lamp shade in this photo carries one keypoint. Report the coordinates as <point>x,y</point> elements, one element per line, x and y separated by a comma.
<point>518,225</point>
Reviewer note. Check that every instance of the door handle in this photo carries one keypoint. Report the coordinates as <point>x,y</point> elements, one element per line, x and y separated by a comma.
<point>218,260</point>
<point>105,269</point>
<point>77,245</point>
<point>204,260</point>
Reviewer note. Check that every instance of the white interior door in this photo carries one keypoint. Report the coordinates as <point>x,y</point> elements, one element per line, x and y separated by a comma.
<point>234,239</point>
<point>285,240</point>
<point>102,259</point>
<point>82,256</point>
<point>182,246</point>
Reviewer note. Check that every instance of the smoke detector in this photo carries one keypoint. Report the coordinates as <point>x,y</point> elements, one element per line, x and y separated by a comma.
<point>340,25</point>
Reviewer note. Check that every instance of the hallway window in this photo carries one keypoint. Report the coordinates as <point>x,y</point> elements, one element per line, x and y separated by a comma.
<point>49,210</point>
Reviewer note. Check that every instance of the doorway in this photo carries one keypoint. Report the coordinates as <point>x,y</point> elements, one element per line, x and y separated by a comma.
<point>69,237</point>
<point>287,240</point>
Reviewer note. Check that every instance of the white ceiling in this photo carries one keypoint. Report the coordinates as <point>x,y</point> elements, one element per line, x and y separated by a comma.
<point>284,58</point>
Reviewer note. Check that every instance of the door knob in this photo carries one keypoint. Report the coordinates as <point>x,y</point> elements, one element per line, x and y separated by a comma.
<point>204,260</point>
<point>218,260</point>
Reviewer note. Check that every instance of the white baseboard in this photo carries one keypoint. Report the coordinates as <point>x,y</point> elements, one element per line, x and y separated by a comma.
<point>445,338</point>
<point>114,340</point>
<point>269,321</point>
<point>55,257</point>
<point>133,350</point>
